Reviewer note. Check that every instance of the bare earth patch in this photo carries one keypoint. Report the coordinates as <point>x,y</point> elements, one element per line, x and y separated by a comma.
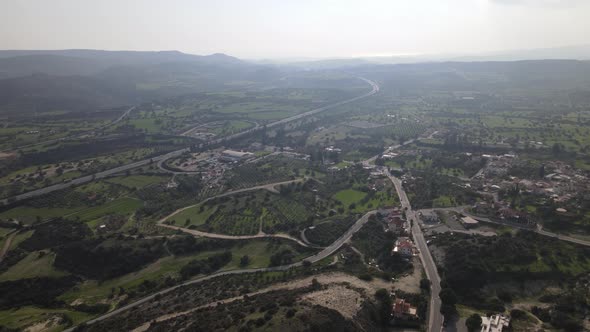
<point>45,325</point>
<point>411,282</point>
<point>4,155</point>
<point>338,297</point>
<point>338,302</point>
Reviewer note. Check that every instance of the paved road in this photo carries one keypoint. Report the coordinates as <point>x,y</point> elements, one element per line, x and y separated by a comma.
<point>315,258</point>
<point>435,318</point>
<point>367,162</point>
<point>88,178</point>
<point>538,230</point>
<point>119,119</point>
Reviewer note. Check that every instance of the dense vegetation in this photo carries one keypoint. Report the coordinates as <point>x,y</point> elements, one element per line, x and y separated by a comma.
<point>98,259</point>
<point>472,263</point>
<point>375,243</point>
<point>36,291</point>
<point>205,266</point>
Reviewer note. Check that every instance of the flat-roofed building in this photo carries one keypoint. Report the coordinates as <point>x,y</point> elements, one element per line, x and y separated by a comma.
<point>494,323</point>
<point>232,155</point>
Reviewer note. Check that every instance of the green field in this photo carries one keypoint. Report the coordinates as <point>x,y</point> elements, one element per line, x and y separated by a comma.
<point>121,206</point>
<point>194,215</point>
<point>5,231</point>
<point>137,181</point>
<point>33,266</point>
<point>443,201</point>
<point>349,196</point>
<point>20,237</point>
<point>259,252</point>
<point>18,318</point>
<point>232,126</point>
<point>364,202</point>
<point>92,291</point>
<point>146,124</point>
<point>28,214</point>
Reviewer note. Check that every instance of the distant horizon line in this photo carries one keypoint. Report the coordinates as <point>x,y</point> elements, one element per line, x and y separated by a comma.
<point>378,55</point>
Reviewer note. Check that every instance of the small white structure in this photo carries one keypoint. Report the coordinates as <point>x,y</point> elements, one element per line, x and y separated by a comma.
<point>389,156</point>
<point>494,323</point>
<point>231,155</point>
<point>331,148</point>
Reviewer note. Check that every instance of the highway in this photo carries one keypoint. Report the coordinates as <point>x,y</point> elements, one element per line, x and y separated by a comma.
<point>123,116</point>
<point>435,318</point>
<point>88,178</point>
<point>312,259</point>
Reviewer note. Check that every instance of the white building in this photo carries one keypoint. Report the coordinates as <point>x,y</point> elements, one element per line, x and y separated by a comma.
<point>494,323</point>
<point>231,155</point>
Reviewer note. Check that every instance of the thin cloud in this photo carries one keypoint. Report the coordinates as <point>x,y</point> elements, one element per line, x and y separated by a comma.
<point>540,3</point>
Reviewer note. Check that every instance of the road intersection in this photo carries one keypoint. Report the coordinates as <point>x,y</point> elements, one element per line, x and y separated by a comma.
<point>112,171</point>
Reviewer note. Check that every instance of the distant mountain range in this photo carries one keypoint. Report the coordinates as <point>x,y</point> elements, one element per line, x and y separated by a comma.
<point>580,52</point>
<point>91,79</point>
<point>87,80</point>
<point>15,63</point>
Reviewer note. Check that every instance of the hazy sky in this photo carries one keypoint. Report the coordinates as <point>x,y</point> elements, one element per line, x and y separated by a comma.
<point>295,28</point>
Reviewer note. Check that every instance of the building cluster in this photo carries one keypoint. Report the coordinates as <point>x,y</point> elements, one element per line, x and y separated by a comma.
<point>395,223</point>
<point>494,323</point>
<point>561,183</point>
<point>496,166</point>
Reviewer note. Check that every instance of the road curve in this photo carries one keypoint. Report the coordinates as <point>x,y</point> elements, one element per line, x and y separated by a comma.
<point>235,237</point>
<point>312,259</point>
<point>88,178</point>
<point>268,186</point>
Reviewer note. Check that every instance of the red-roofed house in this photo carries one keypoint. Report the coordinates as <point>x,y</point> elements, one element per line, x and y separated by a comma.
<point>396,224</point>
<point>404,310</point>
<point>404,247</point>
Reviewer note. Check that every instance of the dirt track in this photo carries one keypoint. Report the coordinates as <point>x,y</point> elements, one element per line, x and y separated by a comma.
<point>6,245</point>
<point>270,187</point>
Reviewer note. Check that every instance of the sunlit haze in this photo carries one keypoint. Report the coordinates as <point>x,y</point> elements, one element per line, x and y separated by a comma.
<point>291,29</point>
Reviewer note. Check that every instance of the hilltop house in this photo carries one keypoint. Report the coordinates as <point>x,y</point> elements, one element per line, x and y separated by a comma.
<point>403,310</point>
<point>404,246</point>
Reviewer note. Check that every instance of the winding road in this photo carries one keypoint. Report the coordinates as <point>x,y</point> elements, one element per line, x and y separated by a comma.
<point>327,251</point>
<point>88,178</point>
